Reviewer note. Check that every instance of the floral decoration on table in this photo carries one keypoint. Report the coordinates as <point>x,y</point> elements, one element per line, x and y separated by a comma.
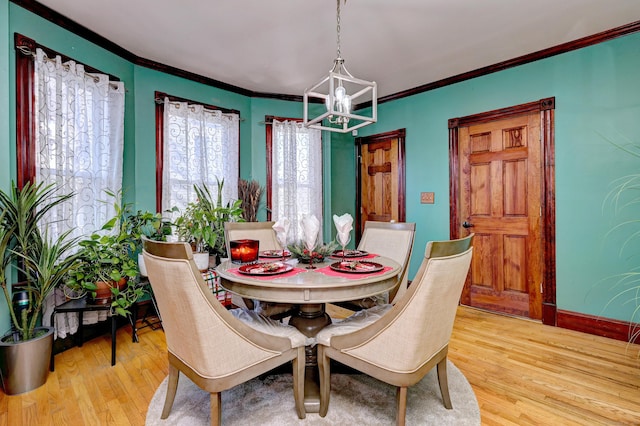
<point>319,252</point>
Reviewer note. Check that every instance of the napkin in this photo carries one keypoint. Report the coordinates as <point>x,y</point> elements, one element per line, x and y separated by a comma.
<point>344,225</point>
<point>281,227</point>
<point>310,229</point>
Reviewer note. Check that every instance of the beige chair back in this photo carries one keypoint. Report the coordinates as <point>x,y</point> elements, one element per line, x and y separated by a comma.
<point>400,343</point>
<point>199,331</point>
<point>261,231</point>
<point>421,322</point>
<point>393,240</point>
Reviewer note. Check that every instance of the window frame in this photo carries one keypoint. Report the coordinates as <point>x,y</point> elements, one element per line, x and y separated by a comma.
<point>269,148</point>
<point>159,101</point>
<point>25,103</point>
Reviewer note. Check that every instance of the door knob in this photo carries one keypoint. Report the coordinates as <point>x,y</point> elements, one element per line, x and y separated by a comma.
<point>466,224</point>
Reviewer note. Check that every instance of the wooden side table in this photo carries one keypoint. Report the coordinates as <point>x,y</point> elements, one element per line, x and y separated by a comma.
<point>81,306</point>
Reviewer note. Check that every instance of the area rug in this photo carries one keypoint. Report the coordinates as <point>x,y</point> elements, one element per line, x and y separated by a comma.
<point>356,399</point>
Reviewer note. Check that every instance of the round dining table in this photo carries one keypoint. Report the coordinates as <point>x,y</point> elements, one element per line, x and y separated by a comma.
<point>310,289</point>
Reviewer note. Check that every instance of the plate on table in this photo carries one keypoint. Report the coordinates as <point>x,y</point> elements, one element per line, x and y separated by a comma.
<point>349,253</point>
<point>271,268</point>
<point>275,254</point>
<point>357,267</point>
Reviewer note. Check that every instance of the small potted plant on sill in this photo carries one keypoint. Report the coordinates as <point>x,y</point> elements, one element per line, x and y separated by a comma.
<point>25,351</point>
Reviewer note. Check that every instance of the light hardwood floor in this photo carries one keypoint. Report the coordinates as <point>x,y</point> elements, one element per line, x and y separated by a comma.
<point>523,373</point>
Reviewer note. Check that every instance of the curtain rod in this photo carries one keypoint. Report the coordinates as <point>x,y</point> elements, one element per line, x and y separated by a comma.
<point>27,52</point>
<point>160,101</point>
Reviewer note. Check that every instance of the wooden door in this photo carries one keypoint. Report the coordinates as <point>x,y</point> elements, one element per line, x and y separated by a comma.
<point>501,200</point>
<point>381,183</point>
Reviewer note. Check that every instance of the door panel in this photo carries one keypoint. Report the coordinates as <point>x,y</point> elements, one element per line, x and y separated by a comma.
<point>501,190</point>
<point>379,167</point>
<point>380,179</point>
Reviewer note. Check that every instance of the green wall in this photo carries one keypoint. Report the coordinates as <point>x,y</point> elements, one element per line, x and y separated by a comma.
<point>596,91</point>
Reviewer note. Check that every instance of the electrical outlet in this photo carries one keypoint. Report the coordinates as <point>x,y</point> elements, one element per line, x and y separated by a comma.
<point>427,197</point>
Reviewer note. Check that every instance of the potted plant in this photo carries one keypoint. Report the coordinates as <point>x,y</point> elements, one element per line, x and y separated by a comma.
<point>106,267</point>
<point>194,227</point>
<point>25,351</point>
<point>147,224</point>
<point>202,222</point>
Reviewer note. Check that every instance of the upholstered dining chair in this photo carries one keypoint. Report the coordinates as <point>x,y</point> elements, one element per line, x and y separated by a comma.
<point>388,239</point>
<point>399,344</point>
<point>264,233</point>
<point>216,348</point>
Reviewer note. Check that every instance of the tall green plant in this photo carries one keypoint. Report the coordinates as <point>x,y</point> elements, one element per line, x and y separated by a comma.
<point>202,222</point>
<point>626,195</point>
<point>220,214</point>
<point>22,245</point>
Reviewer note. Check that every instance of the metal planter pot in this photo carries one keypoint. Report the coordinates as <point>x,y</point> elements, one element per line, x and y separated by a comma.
<point>24,366</point>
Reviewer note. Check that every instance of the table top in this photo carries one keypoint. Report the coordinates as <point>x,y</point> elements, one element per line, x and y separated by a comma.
<point>310,285</point>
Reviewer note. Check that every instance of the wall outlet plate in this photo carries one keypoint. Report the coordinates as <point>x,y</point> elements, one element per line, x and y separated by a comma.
<point>427,197</point>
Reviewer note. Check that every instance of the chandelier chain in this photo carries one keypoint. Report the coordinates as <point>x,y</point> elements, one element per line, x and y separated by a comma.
<point>338,27</point>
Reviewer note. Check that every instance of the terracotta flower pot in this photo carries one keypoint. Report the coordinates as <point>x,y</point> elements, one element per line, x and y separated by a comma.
<point>103,292</point>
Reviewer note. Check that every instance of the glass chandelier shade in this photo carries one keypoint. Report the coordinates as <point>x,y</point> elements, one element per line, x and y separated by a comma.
<point>339,92</point>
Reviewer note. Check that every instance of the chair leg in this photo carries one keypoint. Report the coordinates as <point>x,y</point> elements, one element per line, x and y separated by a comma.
<point>298,383</point>
<point>324,368</point>
<point>401,401</point>
<point>216,408</point>
<point>172,386</point>
<point>444,384</point>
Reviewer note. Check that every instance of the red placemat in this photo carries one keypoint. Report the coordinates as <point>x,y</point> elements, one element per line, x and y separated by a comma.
<point>368,256</point>
<point>328,271</point>
<point>291,273</point>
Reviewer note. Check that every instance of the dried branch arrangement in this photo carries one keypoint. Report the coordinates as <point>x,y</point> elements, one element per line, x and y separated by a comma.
<point>250,193</point>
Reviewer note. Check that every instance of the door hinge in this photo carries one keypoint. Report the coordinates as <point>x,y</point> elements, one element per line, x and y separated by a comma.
<point>541,288</point>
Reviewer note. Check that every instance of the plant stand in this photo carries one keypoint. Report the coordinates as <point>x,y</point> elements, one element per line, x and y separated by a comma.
<point>81,306</point>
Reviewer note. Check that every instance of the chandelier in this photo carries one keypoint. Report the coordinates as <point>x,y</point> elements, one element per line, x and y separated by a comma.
<point>339,91</point>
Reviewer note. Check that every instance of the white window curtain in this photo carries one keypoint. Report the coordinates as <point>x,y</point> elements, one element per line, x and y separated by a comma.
<point>296,187</point>
<point>79,146</point>
<point>201,145</point>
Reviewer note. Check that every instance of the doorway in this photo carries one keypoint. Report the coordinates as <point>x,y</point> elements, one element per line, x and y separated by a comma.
<point>502,189</point>
<point>380,180</point>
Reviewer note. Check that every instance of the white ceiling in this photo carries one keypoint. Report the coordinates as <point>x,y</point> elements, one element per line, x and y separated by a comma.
<point>284,46</point>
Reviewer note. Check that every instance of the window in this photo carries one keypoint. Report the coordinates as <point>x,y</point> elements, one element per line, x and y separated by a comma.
<point>197,144</point>
<point>69,131</point>
<point>294,172</point>
<point>71,135</point>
